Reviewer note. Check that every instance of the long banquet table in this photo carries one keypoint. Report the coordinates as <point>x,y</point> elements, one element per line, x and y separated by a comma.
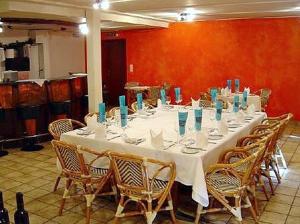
<point>190,168</point>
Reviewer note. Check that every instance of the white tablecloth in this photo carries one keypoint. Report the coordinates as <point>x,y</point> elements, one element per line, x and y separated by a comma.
<point>190,168</point>
<point>252,99</point>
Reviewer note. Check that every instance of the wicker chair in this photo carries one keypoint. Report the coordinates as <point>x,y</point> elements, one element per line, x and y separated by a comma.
<point>56,129</point>
<point>78,171</point>
<point>226,181</point>
<point>205,103</point>
<point>134,105</point>
<point>90,115</point>
<point>264,96</point>
<point>136,184</point>
<point>269,160</point>
<point>205,96</point>
<point>283,120</point>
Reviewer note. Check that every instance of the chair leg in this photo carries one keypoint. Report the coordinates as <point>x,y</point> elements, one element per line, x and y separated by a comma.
<point>276,172</point>
<point>170,203</point>
<point>253,213</point>
<point>65,196</point>
<point>198,213</point>
<point>56,183</point>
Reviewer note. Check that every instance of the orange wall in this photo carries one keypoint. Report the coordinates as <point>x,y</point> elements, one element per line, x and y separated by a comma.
<point>195,56</point>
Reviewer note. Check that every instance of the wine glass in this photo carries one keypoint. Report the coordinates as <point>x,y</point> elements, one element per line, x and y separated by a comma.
<point>178,99</point>
<point>168,100</point>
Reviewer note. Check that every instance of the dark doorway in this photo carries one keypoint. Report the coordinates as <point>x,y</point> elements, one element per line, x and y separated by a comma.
<point>113,70</point>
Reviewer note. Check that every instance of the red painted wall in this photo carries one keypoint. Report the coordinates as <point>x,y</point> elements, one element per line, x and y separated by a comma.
<point>195,56</point>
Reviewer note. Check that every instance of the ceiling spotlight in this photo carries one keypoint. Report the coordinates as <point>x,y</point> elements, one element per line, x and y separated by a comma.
<point>83,27</point>
<point>186,17</point>
<point>103,4</point>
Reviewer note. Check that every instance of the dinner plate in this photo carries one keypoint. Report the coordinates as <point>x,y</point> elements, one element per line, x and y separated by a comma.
<point>233,125</point>
<point>84,132</point>
<point>189,150</point>
<point>215,137</point>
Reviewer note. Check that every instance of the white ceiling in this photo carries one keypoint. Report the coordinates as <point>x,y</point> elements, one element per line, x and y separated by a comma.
<point>206,9</point>
<point>169,9</point>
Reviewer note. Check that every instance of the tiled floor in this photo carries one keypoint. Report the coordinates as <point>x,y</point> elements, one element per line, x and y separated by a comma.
<point>34,175</point>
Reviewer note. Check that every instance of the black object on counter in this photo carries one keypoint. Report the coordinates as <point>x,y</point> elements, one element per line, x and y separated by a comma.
<point>4,218</point>
<point>58,108</point>
<point>21,215</point>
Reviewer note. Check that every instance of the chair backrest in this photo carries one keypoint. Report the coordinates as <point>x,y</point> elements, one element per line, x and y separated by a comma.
<point>112,111</point>
<point>71,160</point>
<point>134,105</point>
<point>132,175</point>
<point>265,96</point>
<point>90,115</point>
<point>205,103</point>
<point>58,127</point>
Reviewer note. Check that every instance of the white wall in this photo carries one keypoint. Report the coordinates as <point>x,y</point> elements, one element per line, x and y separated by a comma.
<point>67,54</point>
<point>63,53</point>
<point>11,36</point>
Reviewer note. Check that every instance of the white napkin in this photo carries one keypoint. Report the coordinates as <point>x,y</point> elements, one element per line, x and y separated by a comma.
<point>251,109</point>
<point>100,132</point>
<point>240,116</point>
<point>248,90</point>
<point>92,123</point>
<point>130,140</point>
<point>222,127</point>
<point>157,140</point>
<point>230,107</point>
<point>227,91</point>
<point>201,139</point>
<point>195,103</point>
<point>159,104</point>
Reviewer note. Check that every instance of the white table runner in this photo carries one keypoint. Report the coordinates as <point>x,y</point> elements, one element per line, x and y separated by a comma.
<point>190,168</point>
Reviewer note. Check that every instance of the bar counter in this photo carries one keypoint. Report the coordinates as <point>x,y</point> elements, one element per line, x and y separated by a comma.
<point>28,106</point>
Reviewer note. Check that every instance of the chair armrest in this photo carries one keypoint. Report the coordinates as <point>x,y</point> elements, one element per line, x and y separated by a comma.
<point>77,123</point>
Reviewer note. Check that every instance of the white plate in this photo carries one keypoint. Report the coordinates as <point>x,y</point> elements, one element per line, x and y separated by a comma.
<point>233,125</point>
<point>189,150</point>
<point>84,132</point>
<point>215,137</point>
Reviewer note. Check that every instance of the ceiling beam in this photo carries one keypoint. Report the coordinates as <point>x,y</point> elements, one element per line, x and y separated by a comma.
<point>76,13</point>
<point>132,19</point>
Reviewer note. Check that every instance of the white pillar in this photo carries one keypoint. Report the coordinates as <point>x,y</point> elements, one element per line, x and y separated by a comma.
<point>94,61</point>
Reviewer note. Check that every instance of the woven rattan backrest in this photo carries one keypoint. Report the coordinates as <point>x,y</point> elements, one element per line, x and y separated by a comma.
<point>112,111</point>
<point>71,161</point>
<point>90,115</point>
<point>205,103</point>
<point>130,171</point>
<point>265,95</point>
<point>58,127</point>
<point>134,105</point>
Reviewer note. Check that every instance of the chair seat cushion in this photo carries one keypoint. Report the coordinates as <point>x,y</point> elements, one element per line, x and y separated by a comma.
<point>223,182</point>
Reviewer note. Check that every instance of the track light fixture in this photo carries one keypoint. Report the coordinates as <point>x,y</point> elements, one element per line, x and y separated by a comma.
<point>83,27</point>
<point>103,4</point>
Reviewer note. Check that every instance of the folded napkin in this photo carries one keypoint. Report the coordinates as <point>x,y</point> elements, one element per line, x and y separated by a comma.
<point>159,104</point>
<point>201,139</point>
<point>247,90</point>
<point>100,132</point>
<point>92,123</point>
<point>227,91</point>
<point>195,103</point>
<point>230,107</point>
<point>157,140</point>
<point>240,116</point>
<point>222,127</point>
<point>251,109</point>
<point>130,140</point>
